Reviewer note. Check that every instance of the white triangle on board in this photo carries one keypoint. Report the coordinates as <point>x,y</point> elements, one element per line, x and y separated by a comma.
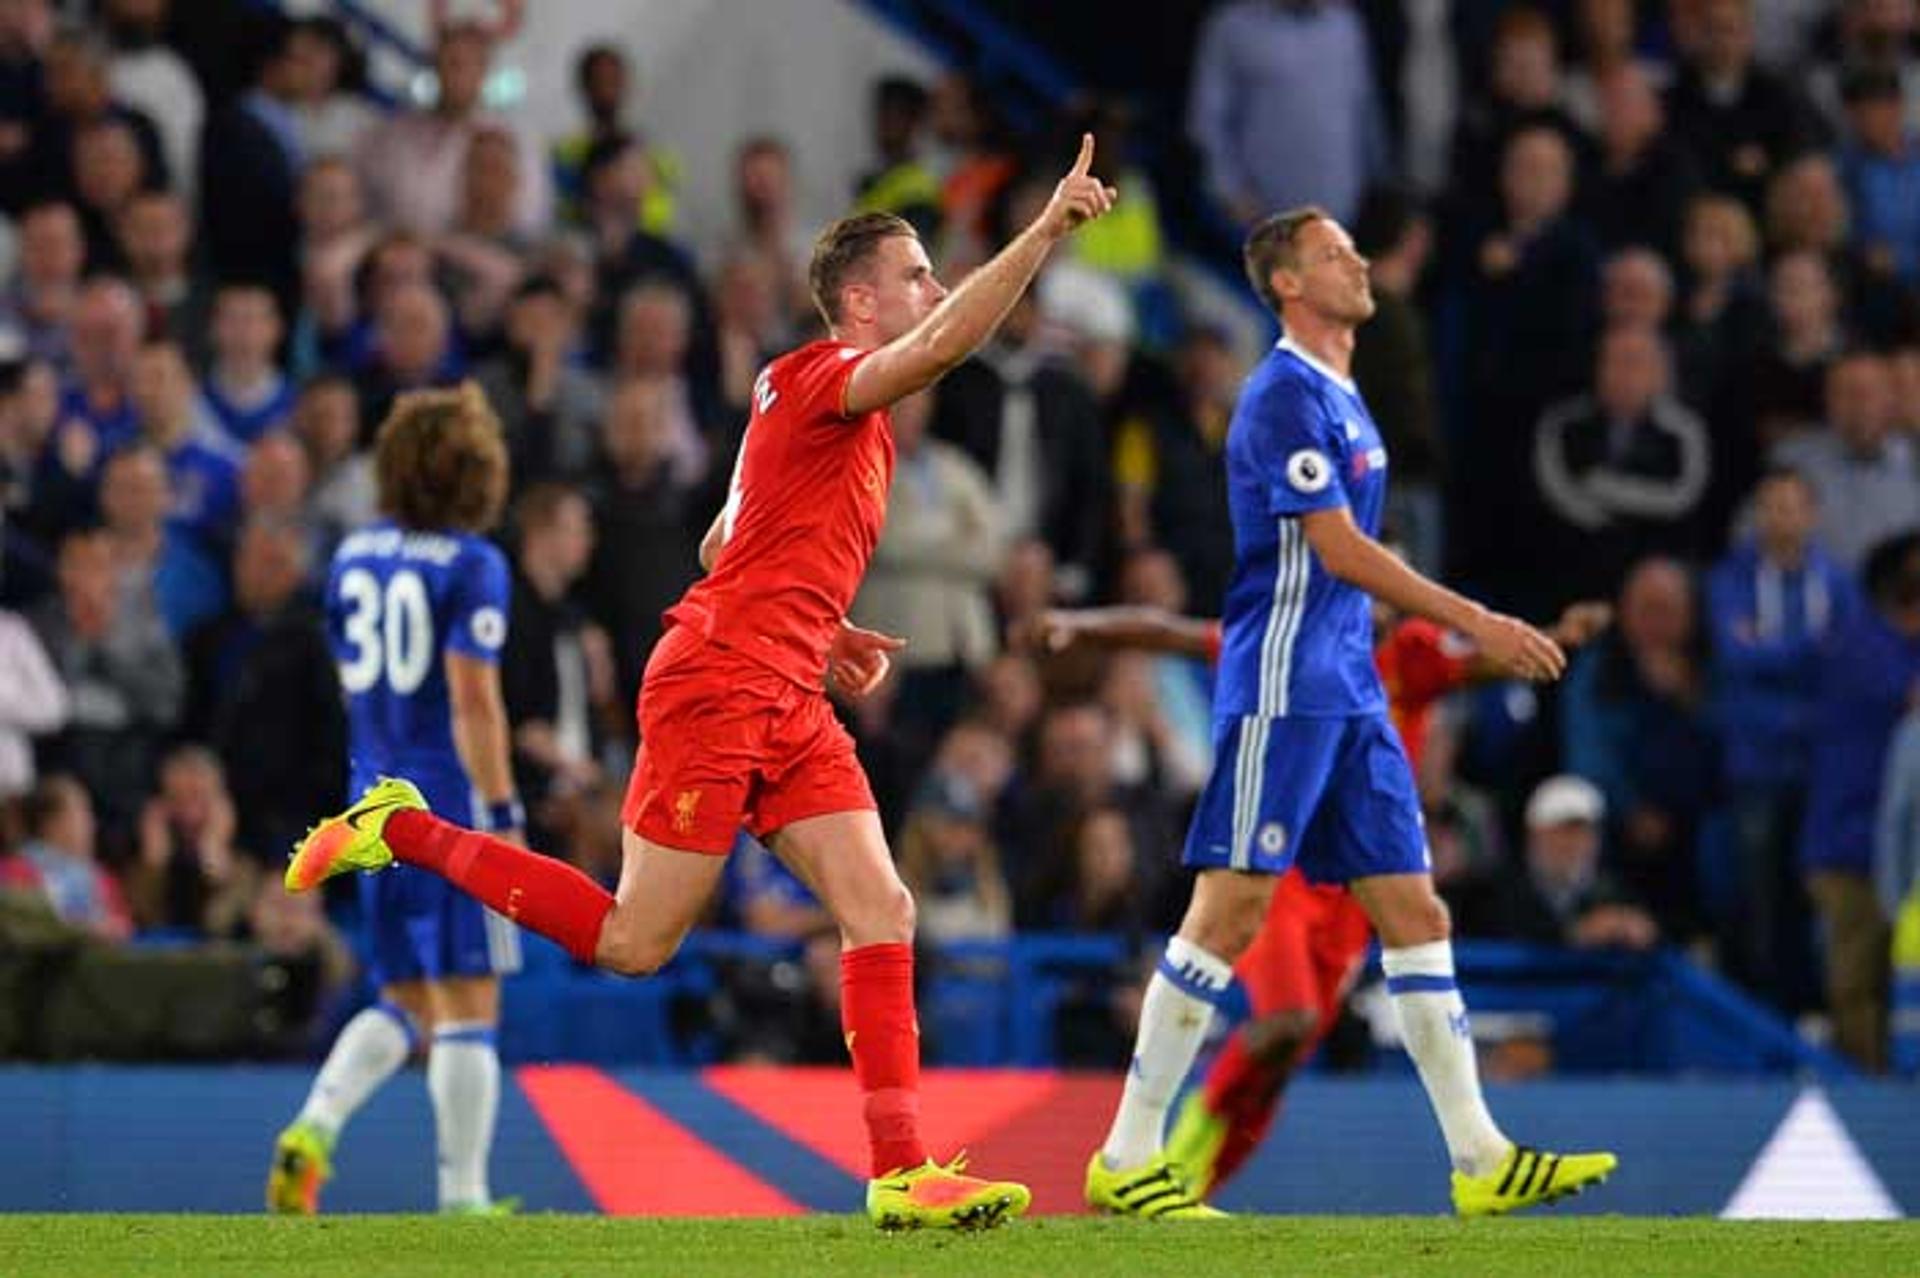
<point>1810,1169</point>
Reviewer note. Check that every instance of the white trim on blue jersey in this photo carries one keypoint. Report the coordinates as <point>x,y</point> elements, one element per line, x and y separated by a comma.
<point>1295,638</point>
<point>1346,384</point>
<point>1250,771</point>
<point>1293,570</point>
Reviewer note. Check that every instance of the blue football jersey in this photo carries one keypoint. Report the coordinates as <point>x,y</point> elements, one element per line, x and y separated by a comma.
<point>397,602</point>
<point>245,422</point>
<point>205,471</point>
<point>1297,642</point>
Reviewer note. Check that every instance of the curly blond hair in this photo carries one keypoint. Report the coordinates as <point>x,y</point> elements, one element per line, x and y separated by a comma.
<point>441,460</point>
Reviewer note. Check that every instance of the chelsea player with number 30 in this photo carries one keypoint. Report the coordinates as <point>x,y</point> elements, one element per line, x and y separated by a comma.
<point>416,616</point>
<point>1308,769</point>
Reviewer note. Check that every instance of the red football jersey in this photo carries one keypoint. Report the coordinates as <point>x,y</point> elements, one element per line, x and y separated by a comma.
<point>1419,664</point>
<point>804,510</point>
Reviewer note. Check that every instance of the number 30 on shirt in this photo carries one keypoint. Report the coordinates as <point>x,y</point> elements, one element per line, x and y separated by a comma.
<point>390,631</point>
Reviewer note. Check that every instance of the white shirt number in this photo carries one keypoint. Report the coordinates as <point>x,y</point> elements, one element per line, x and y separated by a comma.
<point>390,632</point>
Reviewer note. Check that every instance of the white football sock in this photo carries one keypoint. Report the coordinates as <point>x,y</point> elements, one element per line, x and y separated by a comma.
<point>1433,1023</point>
<point>463,1076</point>
<point>370,1048</point>
<point>1173,1022</point>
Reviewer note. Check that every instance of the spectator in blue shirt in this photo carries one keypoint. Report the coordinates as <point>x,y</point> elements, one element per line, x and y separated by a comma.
<point>1869,676</point>
<point>1880,165</point>
<point>203,467</point>
<point>37,302</point>
<point>1771,602</point>
<point>103,339</point>
<point>164,569</point>
<point>245,388</point>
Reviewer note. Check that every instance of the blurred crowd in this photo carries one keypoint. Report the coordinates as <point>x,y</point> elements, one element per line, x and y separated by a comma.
<point>1649,331</point>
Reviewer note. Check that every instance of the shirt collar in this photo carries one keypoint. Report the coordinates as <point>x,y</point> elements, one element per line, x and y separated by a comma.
<point>1344,383</point>
<point>280,120</point>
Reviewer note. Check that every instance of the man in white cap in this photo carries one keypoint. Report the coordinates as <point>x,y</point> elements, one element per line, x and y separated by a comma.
<point>1565,898</point>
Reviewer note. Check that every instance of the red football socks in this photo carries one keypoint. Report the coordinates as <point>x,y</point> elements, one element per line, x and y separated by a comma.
<point>539,893</point>
<point>883,1037</point>
<point>1246,1093</point>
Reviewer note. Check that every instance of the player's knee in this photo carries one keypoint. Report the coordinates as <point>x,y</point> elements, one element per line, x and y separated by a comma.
<point>1417,921</point>
<point>889,916</point>
<point>1228,928</point>
<point>634,955</point>
<point>903,914</point>
<point>1277,1039</point>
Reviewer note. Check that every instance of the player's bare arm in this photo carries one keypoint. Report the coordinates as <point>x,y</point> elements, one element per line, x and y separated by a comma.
<point>1131,626</point>
<point>968,316</point>
<point>1511,645</point>
<point>480,732</point>
<point>715,538</point>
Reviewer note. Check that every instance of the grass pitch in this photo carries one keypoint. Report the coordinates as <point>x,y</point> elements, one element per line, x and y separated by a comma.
<point>845,1247</point>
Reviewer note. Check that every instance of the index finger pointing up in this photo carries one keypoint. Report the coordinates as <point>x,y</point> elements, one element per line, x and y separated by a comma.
<point>1085,161</point>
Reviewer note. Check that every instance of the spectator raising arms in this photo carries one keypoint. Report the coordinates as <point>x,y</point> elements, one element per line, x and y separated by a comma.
<point>189,877</point>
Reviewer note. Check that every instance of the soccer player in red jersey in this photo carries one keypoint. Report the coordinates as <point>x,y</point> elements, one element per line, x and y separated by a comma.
<point>735,726</point>
<point>1312,944</point>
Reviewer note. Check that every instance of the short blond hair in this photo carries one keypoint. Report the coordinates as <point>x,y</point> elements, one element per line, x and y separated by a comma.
<point>844,249</point>
<point>1273,244</point>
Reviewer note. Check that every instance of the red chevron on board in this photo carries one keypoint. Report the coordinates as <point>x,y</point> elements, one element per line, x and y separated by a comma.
<point>633,1159</point>
<point>1049,1151</point>
<point>820,1107</point>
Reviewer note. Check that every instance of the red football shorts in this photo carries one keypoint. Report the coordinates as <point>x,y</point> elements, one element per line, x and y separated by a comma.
<point>1307,952</point>
<point>725,743</point>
